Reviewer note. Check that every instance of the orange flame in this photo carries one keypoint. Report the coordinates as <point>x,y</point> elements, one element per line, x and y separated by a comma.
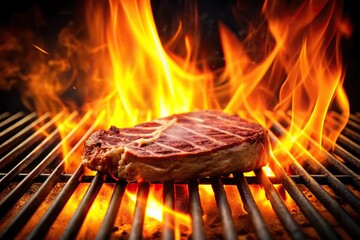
<point>125,73</point>
<point>155,210</point>
<point>143,80</point>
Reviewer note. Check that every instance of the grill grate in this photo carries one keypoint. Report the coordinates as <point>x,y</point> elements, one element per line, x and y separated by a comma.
<point>28,157</point>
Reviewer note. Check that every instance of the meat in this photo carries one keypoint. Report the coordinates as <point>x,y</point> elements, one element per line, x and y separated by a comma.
<point>179,147</point>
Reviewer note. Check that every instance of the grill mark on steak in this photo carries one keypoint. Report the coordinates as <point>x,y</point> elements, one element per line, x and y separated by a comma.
<point>181,139</point>
<point>230,122</point>
<point>202,135</point>
<point>222,131</point>
<point>169,147</point>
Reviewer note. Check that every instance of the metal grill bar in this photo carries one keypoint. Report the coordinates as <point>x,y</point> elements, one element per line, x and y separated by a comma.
<point>350,123</point>
<point>53,137</point>
<point>168,217</point>
<point>348,132</point>
<point>354,118</point>
<point>279,207</point>
<point>11,119</point>
<point>320,224</point>
<point>140,208</point>
<point>320,179</point>
<point>4,115</point>
<point>44,224</point>
<point>348,157</point>
<point>196,211</point>
<point>15,194</point>
<point>20,148</point>
<point>261,229</point>
<point>229,231</point>
<point>78,218</point>
<point>335,184</point>
<point>351,145</point>
<point>16,126</point>
<point>329,203</point>
<point>112,211</point>
<point>31,206</point>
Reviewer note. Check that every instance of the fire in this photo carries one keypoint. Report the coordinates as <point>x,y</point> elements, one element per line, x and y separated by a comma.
<point>143,80</point>
<point>155,211</point>
<point>125,73</point>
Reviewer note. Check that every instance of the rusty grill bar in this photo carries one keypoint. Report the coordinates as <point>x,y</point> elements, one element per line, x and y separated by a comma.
<point>28,156</point>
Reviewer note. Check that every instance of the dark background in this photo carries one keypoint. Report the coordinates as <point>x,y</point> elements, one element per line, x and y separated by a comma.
<point>46,18</point>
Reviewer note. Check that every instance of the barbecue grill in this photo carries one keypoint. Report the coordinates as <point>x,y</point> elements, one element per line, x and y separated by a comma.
<point>36,187</point>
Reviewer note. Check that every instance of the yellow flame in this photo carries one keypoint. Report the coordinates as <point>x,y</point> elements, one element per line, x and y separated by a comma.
<point>126,74</point>
<point>155,210</point>
<point>144,81</point>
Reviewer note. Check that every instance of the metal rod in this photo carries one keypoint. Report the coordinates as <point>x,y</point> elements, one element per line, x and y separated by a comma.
<point>329,203</point>
<point>229,231</point>
<point>351,134</point>
<point>11,119</point>
<point>140,208</point>
<point>196,211</point>
<point>76,221</point>
<point>54,210</point>
<point>25,144</point>
<point>111,213</point>
<point>349,144</point>
<point>4,115</point>
<point>347,157</point>
<point>350,123</point>
<point>321,226</point>
<point>30,207</point>
<point>279,207</point>
<point>17,192</point>
<point>13,127</point>
<point>333,182</point>
<point>355,136</point>
<point>54,136</point>
<point>320,179</point>
<point>337,186</point>
<point>168,216</point>
<point>256,218</point>
<point>355,118</point>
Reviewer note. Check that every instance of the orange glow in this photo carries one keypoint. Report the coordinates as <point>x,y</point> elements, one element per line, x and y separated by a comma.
<point>124,75</point>
<point>155,210</point>
<point>143,80</point>
<point>132,76</point>
<point>302,72</point>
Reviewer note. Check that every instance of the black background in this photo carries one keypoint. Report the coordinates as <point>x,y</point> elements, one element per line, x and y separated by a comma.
<point>54,14</point>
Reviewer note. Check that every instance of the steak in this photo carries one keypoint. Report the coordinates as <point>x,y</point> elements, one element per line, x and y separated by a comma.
<point>179,147</point>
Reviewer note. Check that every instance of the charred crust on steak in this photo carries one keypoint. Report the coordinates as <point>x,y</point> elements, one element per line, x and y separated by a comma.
<point>178,147</point>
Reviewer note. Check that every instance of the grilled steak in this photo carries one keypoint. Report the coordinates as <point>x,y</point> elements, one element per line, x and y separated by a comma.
<point>178,147</point>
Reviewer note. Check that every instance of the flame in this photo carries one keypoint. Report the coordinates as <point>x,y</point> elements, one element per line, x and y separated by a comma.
<point>124,73</point>
<point>155,211</point>
<point>301,73</point>
<point>143,80</point>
